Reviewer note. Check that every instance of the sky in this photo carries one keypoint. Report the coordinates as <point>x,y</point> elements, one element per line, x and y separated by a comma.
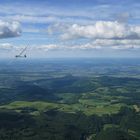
<point>70,28</point>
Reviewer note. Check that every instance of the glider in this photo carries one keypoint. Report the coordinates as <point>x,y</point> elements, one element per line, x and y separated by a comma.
<point>22,53</point>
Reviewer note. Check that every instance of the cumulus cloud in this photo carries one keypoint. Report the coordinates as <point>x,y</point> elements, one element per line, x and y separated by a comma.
<point>102,30</point>
<point>9,29</point>
<point>102,34</point>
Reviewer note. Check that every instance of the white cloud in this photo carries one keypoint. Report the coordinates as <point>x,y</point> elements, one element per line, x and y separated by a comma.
<point>55,47</point>
<point>85,46</point>
<point>6,46</point>
<point>101,35</point>
<point>111,42</point>
<point>23,11</point>
<point>126,47</point>
<point>46,47</point>
<point>98,44</point>
<point>33,19</point>
<point>102,30</point>
<point>33,47</point>
<point>9,29</point>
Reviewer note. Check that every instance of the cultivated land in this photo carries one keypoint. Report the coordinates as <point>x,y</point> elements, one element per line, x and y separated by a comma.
<point>71,99</point>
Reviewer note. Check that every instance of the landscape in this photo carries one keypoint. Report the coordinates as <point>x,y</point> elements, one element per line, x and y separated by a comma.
<point>69,69</point>
<point>70,99</point>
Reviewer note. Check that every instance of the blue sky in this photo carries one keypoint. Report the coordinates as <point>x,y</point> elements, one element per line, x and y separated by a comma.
<point>70,28</point>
